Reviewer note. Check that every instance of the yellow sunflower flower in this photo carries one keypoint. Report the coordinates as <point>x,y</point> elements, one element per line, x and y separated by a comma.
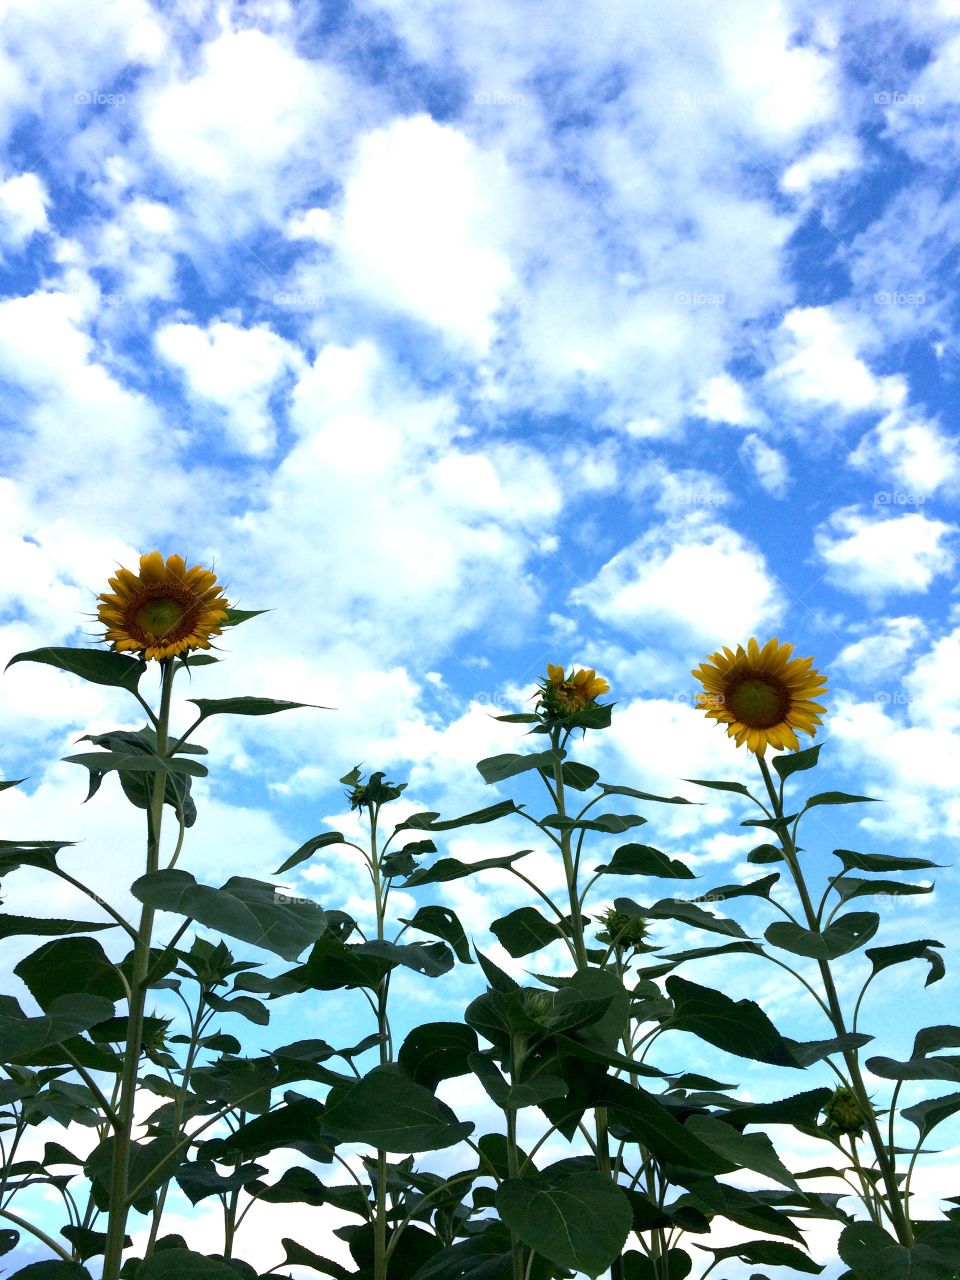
<point>763,696</point>
<point>566,696</point>
<point>164,610</point>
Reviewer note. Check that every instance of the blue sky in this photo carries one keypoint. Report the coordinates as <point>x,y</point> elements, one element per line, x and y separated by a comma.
<point>469,339</point>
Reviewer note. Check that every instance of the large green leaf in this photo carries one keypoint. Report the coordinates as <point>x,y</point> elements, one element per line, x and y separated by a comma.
<point>648,1123</point>
<point>643,860</point>
<point>100,762</point>
<point>846,934</point>
<point>298,1124</point>
<point>799,1109</point>
<point>296,1254</point>
<point>30,853</point>
<point>933,1039</point>
<point>68,966</point>
<point>773,1252</point>
<point>836,797</point>
<point>714,785</point>
<point>66,1016</point>
<point>333,964</point>
<point>497,768</point>
<point>437,1051</point>
<point>848,887</point>
<point>642,795</point>
<point>98,666</point>
<point>875,1255</point>
<point>578,1220</point>
<point>525,930</point>
<point>637,1266</point>
<point>54,1271</point>
<point>739,1027</point>
<point>748,1151</point>
<point>389,1111</point>
<point>247,909</point>
<point>748,1208</point>
<point>183,1264</point>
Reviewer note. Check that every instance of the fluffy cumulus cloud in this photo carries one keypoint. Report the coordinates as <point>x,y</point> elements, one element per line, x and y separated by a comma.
<point>694,578</point>
<point>878,556</point>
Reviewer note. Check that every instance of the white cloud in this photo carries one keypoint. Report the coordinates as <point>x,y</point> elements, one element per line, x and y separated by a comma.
<point>723,399</point>
<point>234,368</point>
<point>820,363</point>
<point>882,653</point>
<point>768,464</point>
<point>877,556</point>
<point>696,578</point>
<point>420,227</point>
<point>835,158</point>
<point>917,453</point>
<point>23,209</point>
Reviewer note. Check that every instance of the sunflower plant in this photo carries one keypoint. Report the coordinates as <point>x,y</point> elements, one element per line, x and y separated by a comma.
<point>158,621</point>
<point>764,697</point>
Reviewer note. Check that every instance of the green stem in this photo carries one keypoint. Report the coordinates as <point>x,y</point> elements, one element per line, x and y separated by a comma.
<point>119,1174</point>
<point>885,1164</point>
<point>380,1258</point>
<point>58,1249</point>
<point>576,919</point>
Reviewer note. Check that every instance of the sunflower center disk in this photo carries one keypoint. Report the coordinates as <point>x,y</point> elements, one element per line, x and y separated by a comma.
<point>158,617</point>
<point>758,701</point>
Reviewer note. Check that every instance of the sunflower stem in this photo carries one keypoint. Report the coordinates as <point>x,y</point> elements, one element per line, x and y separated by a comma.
<point>885,1163</point>
<point>120,1166</point>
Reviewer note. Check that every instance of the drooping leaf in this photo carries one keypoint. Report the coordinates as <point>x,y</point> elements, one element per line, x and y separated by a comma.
<point>637,1266</point>
<point>739,1027</point>
<point>100,762</point>
<point>201,1178</point>
<point>579,1220</point>
<point>800,1109</point>
<point>749,1209</point>
<point>307,850</point>
<point>642,795</point>
<point>246,909</point>
<point>714,785</point>
<point>579,776</point>
<point>437,1051</point>
<point>933,1039</point>
<point>525,930</point>
<point>296,1255</point>
<point>97,666</point>
<point>847,933</point>
<point>649,1123</point>
<point>443,923</point>
<point>883,957</point>
<point>389,1111</point>
<point>643,860</point>
<point>687,912</point>
<point>498,768</point>
<point>87,1243</point>
<point>940,1067</point>
<point>748,1151</point>
<point>66,1016</point>
<point>807,1052</point>
<point>926,1115</point>
<point>297,1125</point>
<point>848,887</point>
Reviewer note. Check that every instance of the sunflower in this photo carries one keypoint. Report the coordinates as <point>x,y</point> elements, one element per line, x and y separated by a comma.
<point>164,610</point>
<point>763,696</point>
<point>566,696</point>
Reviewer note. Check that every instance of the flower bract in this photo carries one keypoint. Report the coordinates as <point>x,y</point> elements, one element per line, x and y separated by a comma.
<point>763,696</point>
<point>163,610</point>
<point>565,695</point>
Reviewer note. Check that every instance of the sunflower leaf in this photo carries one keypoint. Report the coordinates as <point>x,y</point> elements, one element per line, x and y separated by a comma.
<point>248,706</point>
<point>11,782</point>
<point>306,850</point>
<point>236,616</point>
<point>498,768</point>
<point>738,787</point>
<point>642,795</point>
<point>837,797</point>
<point>98,666</point>
<point>796,762</point>
<point>846,934</point>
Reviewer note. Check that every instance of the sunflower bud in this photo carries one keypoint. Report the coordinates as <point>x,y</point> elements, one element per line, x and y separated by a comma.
<point>844,1113</point>
<point>562,695</point>
<point>622,932</point>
